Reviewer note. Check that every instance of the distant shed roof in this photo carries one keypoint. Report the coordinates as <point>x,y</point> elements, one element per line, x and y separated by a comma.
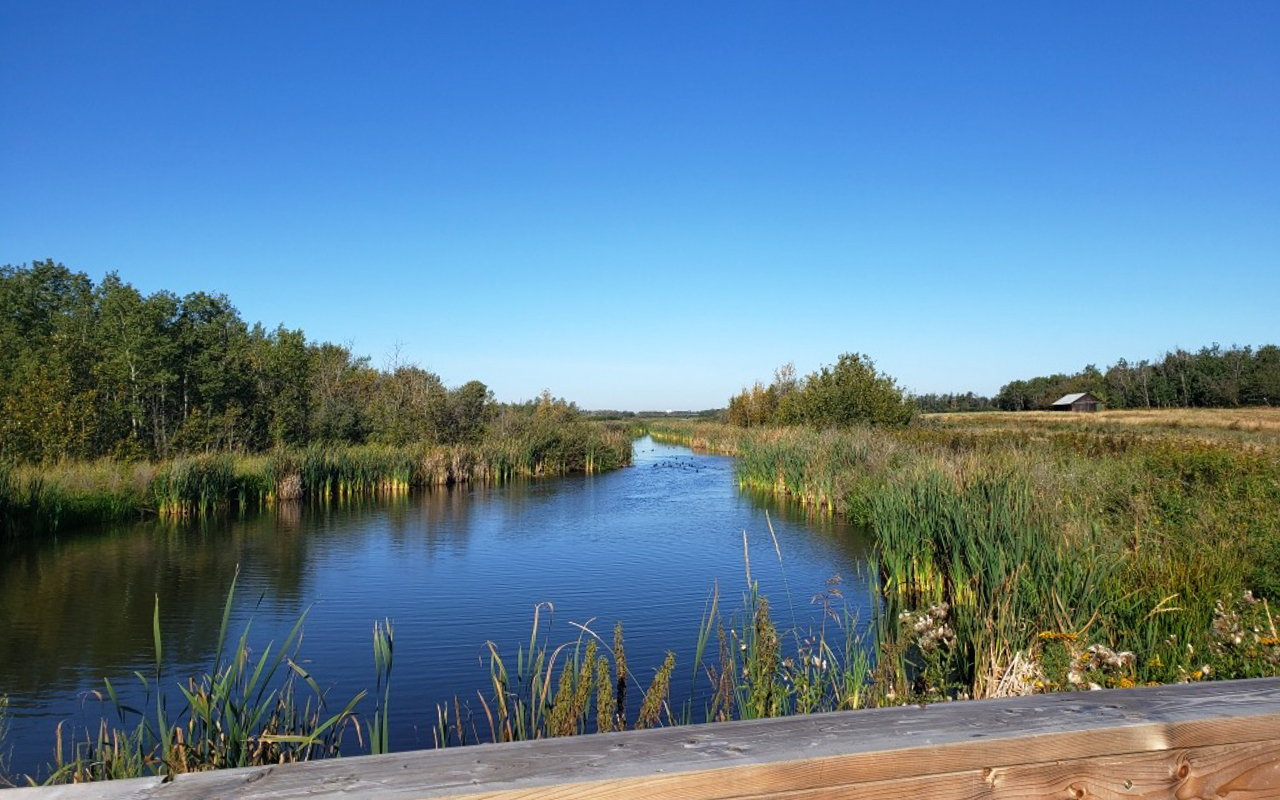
<point>1068,399</point>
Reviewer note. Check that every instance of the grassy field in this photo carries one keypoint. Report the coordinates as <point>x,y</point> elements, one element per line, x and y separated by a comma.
<point>1021,553</point>
<point>1254,425</point>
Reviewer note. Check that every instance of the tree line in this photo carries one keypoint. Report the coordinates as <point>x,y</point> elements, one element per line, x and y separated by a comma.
<point>90,371</point>
<point>933,403</point>
<point>853,391</point>
<point>1213,377</point>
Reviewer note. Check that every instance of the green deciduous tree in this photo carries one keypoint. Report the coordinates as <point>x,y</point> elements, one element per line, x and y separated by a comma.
<point>1212,377</point>
<point>851,392</point>
<point>89,371</point>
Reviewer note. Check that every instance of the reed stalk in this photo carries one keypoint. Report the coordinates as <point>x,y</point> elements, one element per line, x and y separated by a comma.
<point>1011,554</point>
<point>378,725</point>
<point>36,501</point>
<point>243,712</point>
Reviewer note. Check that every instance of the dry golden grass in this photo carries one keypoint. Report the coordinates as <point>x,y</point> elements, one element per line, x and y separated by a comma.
<point>103,475</point>
<point>1255,425</point>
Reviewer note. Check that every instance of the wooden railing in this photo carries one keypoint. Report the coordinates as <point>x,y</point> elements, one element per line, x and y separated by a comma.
<point>1201,740</point>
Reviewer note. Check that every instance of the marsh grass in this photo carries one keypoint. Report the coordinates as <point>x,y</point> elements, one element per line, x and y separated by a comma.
<point>65,496</point>
<point>245,711</point>
<point>763,671</point>
<point>327,473</point>
<point>1244,425</point>
<point>265,708</point>
<point>196,486</point>
<point>37,502</point>
<point>971,567</point>
<point>1025,553</point>
<point>575,687</point>
<point>743,663</point>
<point>706,437</point>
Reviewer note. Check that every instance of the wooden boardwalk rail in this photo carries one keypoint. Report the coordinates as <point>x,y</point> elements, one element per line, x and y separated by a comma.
<point>1189,741</point>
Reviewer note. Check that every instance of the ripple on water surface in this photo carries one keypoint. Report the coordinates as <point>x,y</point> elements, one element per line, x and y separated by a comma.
<point>451,568</point>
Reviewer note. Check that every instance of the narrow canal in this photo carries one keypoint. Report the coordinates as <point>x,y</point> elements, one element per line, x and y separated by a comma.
<point>452,569</point>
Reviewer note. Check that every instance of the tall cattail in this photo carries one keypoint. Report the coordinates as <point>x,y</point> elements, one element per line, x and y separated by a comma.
<point>620,667</point>
<point>656,697</point>
<point>606,704</point>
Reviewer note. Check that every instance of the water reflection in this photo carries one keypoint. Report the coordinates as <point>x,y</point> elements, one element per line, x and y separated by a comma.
<point>452,567</point>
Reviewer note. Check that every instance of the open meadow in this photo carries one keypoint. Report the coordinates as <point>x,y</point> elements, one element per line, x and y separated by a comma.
<point>1255,425</point>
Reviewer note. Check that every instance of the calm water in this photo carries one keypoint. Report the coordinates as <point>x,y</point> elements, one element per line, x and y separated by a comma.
<point>451,569</point>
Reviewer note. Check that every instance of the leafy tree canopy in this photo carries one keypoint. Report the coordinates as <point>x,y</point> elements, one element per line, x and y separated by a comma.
<point>849,392</point>
<point>103,371</point>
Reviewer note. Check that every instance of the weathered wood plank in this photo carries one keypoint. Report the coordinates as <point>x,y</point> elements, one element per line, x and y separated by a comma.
<point>948,743</point>
<point>1241,772</point>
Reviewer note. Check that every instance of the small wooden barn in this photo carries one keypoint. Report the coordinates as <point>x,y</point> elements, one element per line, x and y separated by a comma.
<point>1081,401</point>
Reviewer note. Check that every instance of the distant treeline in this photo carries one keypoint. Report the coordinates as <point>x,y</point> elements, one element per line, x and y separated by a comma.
<point>90,371</point>
<point>937,403</point>
<point>1213,377</point>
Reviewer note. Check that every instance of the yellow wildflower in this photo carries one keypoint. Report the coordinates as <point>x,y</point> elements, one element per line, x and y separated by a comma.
<point>1057,636</point>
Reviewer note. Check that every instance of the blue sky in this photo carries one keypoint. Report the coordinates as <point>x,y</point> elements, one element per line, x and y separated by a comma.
<point>650,205</point>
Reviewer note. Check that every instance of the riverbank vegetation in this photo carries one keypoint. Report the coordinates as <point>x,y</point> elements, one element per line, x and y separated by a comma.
<point>1015,553</point>
<point>114,404</point>
<point>519,442</point>
<point>1017,558</point>
<point>1008,561</point>
<point>249,709</point>
<point>258,705</point>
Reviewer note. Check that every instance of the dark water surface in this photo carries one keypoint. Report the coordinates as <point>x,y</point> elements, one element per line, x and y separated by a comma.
<point>451,569</point>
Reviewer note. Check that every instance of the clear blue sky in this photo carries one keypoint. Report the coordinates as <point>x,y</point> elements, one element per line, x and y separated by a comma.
<point>649,205</point>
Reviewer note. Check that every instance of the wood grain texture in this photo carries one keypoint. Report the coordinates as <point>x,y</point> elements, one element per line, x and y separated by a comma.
<point>1041,746</point>
<point>1241,772</point>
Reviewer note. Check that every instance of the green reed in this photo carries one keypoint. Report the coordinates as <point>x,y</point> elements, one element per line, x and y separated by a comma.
<point>524,705</point>
<point>64,496</point>
<point>1025,560</point>
<point>245,711</point>
<point>761,671</point>
<point>195,486</point>
<point>20,501</point>
<point>248,711</point>
<point>39,502</point>
<point>383,650</point>
<point>974,551</point>
<point>569,689</point>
